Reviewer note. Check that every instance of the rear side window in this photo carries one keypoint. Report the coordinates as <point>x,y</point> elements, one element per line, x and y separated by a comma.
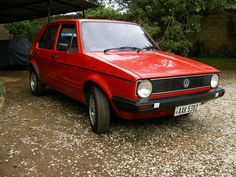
<point>67,39</point>
<point>48,37</point>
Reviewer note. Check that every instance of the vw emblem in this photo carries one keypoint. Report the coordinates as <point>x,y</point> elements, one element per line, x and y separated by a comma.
<point>186,83</point>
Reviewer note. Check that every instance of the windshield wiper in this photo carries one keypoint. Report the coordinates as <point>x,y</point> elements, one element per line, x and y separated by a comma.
<point>123,48</point>
<point>147,48</point>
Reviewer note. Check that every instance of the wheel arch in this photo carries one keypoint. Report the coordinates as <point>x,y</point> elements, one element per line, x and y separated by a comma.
<point>33,66</point>
<point>100,83</point>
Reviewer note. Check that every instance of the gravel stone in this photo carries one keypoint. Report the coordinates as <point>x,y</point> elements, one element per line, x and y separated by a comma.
<point>51,136</point>
<point>2,101</point>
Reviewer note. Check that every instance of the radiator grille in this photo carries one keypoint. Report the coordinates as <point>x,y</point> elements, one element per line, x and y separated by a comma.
<point>180,83</point>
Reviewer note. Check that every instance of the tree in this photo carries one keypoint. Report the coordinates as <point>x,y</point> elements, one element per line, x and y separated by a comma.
<point>170,22</point>
<point>103,12</point>
<point>25,29</point>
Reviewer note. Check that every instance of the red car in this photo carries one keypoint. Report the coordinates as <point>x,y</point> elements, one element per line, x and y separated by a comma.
<point>116,65</point>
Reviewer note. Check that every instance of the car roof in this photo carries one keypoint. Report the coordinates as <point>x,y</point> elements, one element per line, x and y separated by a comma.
<point>89,20</point>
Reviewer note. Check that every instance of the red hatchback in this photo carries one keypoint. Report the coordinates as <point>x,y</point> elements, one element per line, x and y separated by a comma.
<point>116,65</point>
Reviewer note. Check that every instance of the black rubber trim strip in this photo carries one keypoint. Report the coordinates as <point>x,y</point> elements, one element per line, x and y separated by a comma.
<point>165,103</point>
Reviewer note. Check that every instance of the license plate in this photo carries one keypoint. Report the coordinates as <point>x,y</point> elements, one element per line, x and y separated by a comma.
<point>186,109</point>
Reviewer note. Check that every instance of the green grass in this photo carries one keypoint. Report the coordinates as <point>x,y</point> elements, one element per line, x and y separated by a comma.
<point>2,89</point>
<point>219,63</point>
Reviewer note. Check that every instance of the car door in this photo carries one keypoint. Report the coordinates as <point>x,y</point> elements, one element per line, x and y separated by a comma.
<point>67,58</point>
<point>45,54</point>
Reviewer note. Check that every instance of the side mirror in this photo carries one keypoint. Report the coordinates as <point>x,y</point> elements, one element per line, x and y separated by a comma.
<point>63,47</point>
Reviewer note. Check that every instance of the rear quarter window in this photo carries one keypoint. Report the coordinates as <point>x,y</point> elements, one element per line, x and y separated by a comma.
<point>47,39</point>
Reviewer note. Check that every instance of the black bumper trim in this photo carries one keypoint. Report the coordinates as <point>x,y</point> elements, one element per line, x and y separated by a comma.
<point>166,103</point>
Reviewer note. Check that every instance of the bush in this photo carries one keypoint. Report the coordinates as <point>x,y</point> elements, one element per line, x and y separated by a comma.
<point>103,12</point>
<point>24,30</point>
<point>151,28</point>
<point>177,47</point>
<point>2,89</point>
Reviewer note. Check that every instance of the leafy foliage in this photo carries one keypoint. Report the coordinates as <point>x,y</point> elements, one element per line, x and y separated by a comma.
<point>170,22</point>
<point>24,29</point>
<point>103,12</point>
<point>182,47</point>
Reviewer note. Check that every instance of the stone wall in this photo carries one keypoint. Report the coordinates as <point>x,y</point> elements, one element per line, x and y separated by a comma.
<point>216,32</point>
<point>4,35</point>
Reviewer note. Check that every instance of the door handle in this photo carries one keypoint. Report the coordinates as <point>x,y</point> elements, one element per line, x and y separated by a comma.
<point>54,56</point>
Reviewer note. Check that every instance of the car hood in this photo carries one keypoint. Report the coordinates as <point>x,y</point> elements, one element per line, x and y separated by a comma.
<point>156,64</point>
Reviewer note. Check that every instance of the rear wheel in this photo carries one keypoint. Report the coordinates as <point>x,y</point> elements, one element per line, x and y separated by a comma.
<point>99,111</point>
<point>36,87</point>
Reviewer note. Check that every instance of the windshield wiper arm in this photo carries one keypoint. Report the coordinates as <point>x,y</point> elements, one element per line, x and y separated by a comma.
<point>123,48</point>
<point>147,48</point>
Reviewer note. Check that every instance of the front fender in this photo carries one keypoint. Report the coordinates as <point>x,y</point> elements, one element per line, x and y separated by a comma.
<point>101,82</point>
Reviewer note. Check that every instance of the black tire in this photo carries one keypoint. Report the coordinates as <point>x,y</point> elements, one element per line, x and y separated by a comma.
<point>99,111</point>
<point>36,87</point>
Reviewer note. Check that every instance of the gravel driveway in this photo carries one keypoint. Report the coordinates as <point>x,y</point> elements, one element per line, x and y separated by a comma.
<point>51,136</point>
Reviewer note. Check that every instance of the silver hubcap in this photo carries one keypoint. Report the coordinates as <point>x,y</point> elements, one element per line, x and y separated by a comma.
<point>33,81</point>
<point>92,110</point>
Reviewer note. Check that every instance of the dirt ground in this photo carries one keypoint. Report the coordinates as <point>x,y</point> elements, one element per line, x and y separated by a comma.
<point>51,136</point>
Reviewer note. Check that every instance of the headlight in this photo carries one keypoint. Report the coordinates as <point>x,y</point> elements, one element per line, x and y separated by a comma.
<point>214,80</point>
<point>144,89</point>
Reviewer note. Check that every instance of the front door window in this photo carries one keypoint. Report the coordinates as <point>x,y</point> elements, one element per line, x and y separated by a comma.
<point>67,40</point>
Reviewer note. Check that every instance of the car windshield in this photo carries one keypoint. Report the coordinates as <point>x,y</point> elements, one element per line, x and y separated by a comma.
<point>105,36</point>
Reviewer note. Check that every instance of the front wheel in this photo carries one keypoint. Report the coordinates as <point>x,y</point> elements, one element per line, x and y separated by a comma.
<point>36,87</point>
<point>99,111</point>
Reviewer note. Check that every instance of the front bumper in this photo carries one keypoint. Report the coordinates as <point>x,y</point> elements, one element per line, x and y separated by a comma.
<point>167,103</point>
